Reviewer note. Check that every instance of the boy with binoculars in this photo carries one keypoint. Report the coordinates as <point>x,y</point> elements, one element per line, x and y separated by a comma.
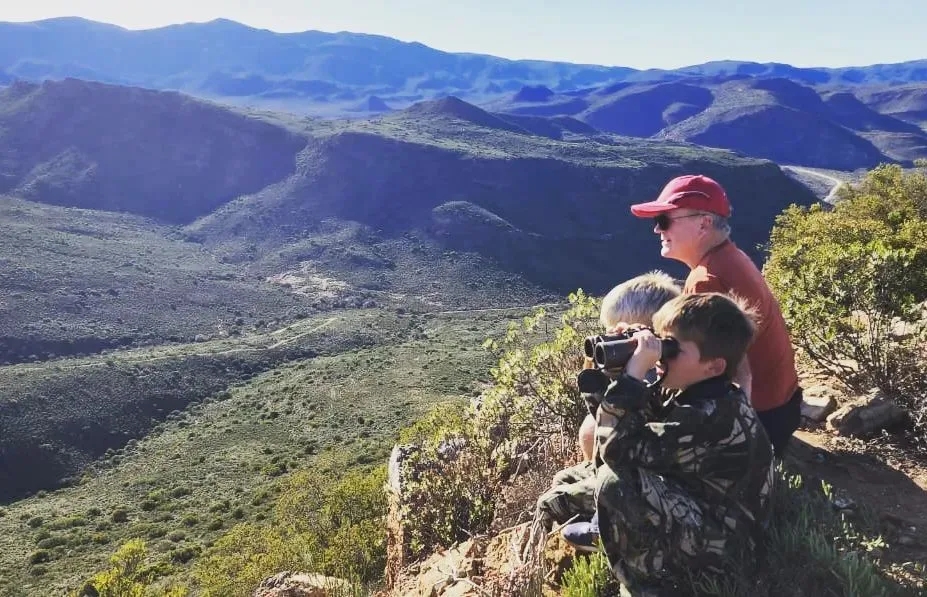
<point>683,468</point>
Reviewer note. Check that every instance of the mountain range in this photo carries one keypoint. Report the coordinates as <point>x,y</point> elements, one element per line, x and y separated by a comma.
<point>837,118</point>
<point>140,220</point>
<point>200,292</point>
<point>485,206</point>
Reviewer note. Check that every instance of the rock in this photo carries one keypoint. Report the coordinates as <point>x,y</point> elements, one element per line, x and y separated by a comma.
<point>444,570</point>
<point>817,407</point>
<point>298,584</point>
<point>396,476</point>
<point>866,415</point>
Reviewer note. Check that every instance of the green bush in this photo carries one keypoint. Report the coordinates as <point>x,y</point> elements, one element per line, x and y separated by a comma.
<point>446,500</point>
<point>588,577</point>
<point>320,524</point>
<point>852,282</point>
<point>39,556</point>
<point>128,575</point>
<point>534,388</point>
<point>51,542</point>
<point>463,455</point>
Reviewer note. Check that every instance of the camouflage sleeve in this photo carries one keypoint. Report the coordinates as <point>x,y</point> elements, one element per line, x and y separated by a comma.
<point>626,437</point>
<point>592,384</point>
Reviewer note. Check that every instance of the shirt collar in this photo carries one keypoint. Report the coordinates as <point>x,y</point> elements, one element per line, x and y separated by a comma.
<point>713,387</point>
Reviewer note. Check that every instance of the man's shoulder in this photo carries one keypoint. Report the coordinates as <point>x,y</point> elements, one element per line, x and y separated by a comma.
<point>701,279</point>
<point>728,270</point>
<point>729,258</point>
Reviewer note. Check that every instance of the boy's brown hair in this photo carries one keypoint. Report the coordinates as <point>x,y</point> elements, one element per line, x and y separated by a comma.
<point>720,325</point>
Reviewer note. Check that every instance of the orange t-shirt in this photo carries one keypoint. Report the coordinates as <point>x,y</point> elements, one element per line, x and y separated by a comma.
<point>728,270</point>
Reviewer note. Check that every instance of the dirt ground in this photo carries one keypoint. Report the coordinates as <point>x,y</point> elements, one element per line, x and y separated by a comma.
<point>871,475</point>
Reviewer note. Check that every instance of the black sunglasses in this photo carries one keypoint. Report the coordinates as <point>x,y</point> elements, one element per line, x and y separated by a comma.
<point>664,222</point>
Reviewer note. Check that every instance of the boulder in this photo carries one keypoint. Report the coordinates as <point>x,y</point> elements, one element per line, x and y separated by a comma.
<point>866,415</point>
<point>816,406</point>
<point>298,584</point>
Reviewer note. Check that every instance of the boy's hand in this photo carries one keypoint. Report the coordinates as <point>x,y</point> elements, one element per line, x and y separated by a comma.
<point>618,328</point>
<point>648,352</point>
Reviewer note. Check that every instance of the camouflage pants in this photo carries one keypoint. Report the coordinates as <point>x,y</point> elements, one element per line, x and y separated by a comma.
<point>572,492</point>
<point>652,529</point>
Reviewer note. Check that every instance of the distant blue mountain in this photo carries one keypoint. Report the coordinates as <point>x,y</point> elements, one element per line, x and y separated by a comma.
<point>227,60</point>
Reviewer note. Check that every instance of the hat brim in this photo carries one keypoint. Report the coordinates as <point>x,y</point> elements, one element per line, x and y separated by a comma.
<point>652,208</point>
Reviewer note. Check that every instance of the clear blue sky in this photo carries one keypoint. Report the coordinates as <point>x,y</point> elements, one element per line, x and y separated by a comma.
<point>640,34</point>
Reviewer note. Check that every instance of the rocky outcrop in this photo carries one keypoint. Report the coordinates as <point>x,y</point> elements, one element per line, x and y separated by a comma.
<point>298,584</point>
<point>867,415</point>
<point>496,566</point>
<point>819,401</point>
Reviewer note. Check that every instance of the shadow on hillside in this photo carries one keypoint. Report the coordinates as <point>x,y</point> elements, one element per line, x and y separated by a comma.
<point>896,499</point>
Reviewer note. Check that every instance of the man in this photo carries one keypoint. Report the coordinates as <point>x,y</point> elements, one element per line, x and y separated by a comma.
<point>691,217</point>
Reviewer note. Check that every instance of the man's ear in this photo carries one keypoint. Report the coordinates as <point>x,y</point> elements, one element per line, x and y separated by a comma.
<point>715,366</point>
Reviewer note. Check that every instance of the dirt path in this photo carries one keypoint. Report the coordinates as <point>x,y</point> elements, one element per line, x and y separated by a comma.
<point>835,182</point>
<point>898,497</point>
<point>148,355</point>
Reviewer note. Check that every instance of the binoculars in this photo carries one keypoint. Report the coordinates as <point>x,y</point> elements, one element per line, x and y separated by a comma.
<point>613,351</point>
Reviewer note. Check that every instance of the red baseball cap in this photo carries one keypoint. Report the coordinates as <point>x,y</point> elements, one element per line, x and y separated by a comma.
<point>692,191</point>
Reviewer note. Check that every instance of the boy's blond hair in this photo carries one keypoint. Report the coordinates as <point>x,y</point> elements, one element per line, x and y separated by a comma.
<point>637,299</point>
<point>720,325</point>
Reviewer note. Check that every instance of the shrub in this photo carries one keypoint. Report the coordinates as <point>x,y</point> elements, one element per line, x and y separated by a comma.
<point>51,542</point>
<point>809,545</point>
<point>450,481</point>
<point>189,520</point>
<point>184,554</point>
<point>127,575</point>
<point>215,524</point>
<point>247,554</point>
<point>68,522</point>
<point>462,456</point>
<point>852,282</point>
<point>589,577</point>
<point>319,524</point>
<point>39,556</point>
<point>179,492</point>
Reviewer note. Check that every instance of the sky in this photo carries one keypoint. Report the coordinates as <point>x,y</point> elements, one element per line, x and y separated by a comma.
<point>639,34</point>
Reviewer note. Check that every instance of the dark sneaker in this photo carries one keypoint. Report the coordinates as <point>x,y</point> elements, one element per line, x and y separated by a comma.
<point>583,536</point>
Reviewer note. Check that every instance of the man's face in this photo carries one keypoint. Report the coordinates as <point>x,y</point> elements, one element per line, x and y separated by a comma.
<point>680,231</point>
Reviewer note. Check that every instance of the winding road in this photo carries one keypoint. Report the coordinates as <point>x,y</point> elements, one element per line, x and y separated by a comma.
<point>836,183</point>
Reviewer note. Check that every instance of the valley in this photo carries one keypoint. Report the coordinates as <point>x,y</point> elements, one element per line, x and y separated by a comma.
<point>212,463</point>
<point>201,296</point>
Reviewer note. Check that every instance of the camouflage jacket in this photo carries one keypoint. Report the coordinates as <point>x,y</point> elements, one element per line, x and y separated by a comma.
<point>707,438</point>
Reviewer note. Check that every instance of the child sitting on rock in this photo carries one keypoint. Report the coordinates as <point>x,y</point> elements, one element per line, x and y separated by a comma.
<point>572,494</point>
<point>683,485</point>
